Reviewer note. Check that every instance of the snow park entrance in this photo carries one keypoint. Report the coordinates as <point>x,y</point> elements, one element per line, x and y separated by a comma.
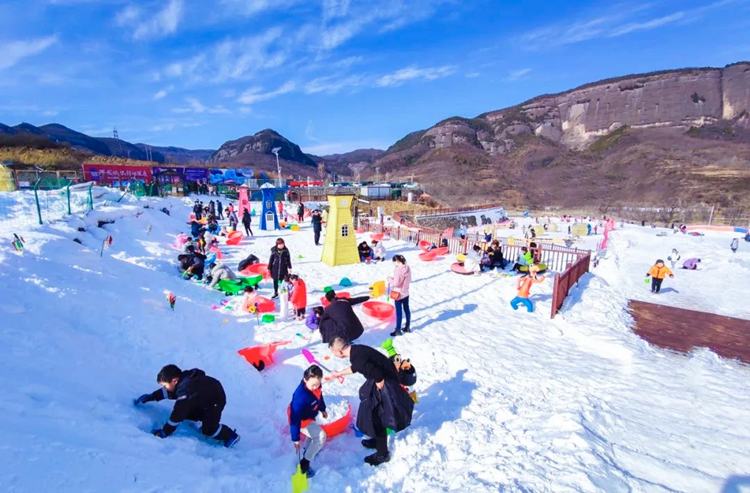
<point>153,344</point>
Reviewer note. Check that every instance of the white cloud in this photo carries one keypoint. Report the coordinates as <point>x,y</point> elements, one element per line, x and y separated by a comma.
<point>195,106</point>
<point>254,94</point>
<point>163,93</point>
<point>163,127</point>
<point>411,73</point>
<point>309,129</point>
<point>50,113</point>
<point>249,8</point>
<point>472,75</point>
<point>15,51</point>
<point>246,110</point>
<point>148,25</point>
<point>651,24</point>
<point>233,59</point>
<point>333,84</point>
<point>515,75</point>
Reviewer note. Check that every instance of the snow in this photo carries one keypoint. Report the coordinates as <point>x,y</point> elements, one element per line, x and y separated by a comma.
<point>508,400</point>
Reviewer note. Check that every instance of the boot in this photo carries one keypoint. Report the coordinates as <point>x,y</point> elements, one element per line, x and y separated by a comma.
<point>376,460</point>
<point>369,443</point>
<point>407,328</point>
<point>397,332</point>
<point>232,440</point>
<point>304,465</point>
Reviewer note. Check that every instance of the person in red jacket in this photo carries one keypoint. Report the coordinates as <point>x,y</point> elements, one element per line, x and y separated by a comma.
<point>657,273</point>
<point>298,296</point>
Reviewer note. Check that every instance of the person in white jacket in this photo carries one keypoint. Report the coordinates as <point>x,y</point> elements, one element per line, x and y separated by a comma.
<point>378,250</point>
<point>219,272</point>
<point>473,262</point>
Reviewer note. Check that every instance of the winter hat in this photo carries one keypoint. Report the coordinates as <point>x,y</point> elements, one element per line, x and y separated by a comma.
<point>331,295</point>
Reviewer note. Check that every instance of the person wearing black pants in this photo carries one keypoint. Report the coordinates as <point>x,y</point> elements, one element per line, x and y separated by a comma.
<point>317,224</point>
<point>383,401</point>
<point>279,265</point>
<point>301,213</point>
<point>246,222</point>
<point>199,398</point>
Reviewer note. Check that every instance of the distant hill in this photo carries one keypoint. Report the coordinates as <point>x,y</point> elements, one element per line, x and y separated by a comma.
<point>350,162</point>
<point>178,155</point>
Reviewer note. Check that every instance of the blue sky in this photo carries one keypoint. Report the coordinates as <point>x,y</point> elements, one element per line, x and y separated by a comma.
<point>331,75</point>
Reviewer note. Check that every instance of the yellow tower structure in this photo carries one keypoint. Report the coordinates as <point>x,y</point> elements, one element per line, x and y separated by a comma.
<point>340,247</point>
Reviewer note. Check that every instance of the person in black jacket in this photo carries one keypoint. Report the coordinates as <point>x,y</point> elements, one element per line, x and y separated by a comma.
<point>383,401</point>
<point>317,224</point>
<point>219,210</point>
<point>199,398</point>
<point>339,320</point>
<point>495,253</point>
<point>279,265</point>
<point>197,262</point>
<point>247,262</point>
<point>300,213</point>
<point>247,219</point>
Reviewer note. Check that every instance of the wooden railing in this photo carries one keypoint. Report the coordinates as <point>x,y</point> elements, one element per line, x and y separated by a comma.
<point>555,257</point>
<point>565,281</point>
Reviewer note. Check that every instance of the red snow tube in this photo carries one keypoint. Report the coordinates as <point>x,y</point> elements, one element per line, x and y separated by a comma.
<point>424,245</point>
<point>458,268</point>
<point>234,238</point>
<point>428,256</point>
<point>219,256</point>
<point>265,305</point>
<point>257,270</point>
<point>378,309</point>
<point>261,354</point>
<point>376,237</point>
<point>339,426</point>
<point>439,252</point>
<point>343,294</point>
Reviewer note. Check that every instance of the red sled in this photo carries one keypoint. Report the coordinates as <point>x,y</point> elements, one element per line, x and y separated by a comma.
<point>261,356</point>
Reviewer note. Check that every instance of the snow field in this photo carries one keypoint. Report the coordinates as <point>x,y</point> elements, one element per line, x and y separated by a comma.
<point>508,400</point>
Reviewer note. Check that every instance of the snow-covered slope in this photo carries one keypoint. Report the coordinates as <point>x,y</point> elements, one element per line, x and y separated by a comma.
<point>508,400</point>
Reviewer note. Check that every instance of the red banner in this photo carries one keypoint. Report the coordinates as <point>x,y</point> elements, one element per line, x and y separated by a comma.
<point>108,173</point>
<point>305,183</point>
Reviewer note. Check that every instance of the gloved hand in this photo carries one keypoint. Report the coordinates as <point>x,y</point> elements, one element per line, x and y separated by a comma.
<point>159,433</point>
<point>142,399</point>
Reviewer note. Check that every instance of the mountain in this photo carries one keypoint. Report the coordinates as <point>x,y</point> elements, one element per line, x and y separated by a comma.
<point>254,152</point>
<point>121,148</point>
<point>663,136</point>
<point>178,155</point>
<point>6,130</point>
<point>349,162</point>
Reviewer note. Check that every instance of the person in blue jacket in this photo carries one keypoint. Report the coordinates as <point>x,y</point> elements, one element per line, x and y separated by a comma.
<point>307,401</point>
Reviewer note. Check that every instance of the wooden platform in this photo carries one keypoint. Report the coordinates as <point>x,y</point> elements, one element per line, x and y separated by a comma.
<point>682,330</point>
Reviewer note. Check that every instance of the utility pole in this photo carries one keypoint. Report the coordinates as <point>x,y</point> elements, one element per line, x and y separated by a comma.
<point>377,175</point>
<point>276,150</point>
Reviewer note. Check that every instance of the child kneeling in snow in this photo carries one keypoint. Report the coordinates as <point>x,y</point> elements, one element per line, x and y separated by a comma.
<point>306,402</point>
<point>524,289</point>
<point>199,398</point>
<point>313,319</point>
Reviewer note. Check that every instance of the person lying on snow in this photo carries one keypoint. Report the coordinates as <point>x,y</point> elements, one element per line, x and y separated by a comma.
<point>657,273</point>
<point>247,262</point>
<point>691,264</point>
<point>307,401</point>
<point>339,320</point>
<point>217,272</point>
<point>384,403</point>
<point>313,318</point>
<point>199,398</point>
<point>195,228</point>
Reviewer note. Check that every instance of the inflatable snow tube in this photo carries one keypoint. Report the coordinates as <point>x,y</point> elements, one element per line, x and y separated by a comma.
<point>339,426</point>
<point>264,305</point>
<point>378,309</point>
<point>442,251</point>
<point>256,270</point>
<point>376,237</point>
<point>458,268</point>
<point>216,252</point>
<point>428,256</point>
<point>424,245</point>
<point>343,294</point>
<point>460,258</point>
<point>234,238</point>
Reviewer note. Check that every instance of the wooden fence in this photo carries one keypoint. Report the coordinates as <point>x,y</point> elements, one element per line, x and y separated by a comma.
<point>565,281</point>
<point>555,257</point>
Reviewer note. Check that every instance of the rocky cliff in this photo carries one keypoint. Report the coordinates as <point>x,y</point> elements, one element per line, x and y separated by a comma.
<point>258,147</point>
<point>682,98</point>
